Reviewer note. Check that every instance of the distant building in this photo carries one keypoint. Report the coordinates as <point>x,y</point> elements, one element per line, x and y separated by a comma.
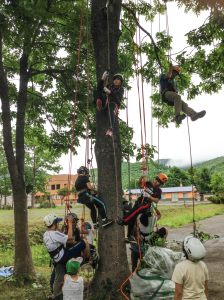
<point>173,194</point>
<point>56,183</point>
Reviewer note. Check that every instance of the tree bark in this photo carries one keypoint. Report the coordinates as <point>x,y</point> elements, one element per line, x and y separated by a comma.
<point>23,258</point>
<point>113,267</point>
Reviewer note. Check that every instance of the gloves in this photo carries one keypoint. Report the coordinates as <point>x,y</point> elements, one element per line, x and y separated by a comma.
<point>105,75</point>
<point>106,90</point>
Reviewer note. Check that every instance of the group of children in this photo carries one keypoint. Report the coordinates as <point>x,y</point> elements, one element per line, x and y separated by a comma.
<point>67,248</point>
<point>109,97</point>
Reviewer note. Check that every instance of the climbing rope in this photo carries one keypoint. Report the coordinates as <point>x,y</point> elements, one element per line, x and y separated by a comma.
<point>192,178</point>
<point>77,73</point>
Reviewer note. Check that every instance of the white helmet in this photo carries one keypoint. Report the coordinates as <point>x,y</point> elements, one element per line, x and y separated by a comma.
<point>50,219</point>
<point>194,248</point>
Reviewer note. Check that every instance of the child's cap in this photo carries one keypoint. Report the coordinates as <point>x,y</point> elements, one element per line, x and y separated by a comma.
<point>73,265</point>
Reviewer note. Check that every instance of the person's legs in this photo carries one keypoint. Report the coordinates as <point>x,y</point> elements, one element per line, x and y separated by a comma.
<point>60,271</point>
<point>99,203</point>
<point>84,198</point>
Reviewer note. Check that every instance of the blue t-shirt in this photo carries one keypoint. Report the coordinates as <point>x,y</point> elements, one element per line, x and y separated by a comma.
<point>167,84</point>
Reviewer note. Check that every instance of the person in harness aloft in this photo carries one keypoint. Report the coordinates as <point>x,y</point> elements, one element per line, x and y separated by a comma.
<point>111,95</point>
<point>87,195</point>
<point>151,193</point>
<point>169,95</point>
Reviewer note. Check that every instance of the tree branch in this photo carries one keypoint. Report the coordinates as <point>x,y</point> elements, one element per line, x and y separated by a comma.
<point>156,49</point>
<point>34,72</point>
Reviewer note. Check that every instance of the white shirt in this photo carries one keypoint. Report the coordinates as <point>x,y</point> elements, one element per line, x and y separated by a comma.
<point>90,236</point>
<point>192,275</point>
<point>73,290</point>
<point>53,240</point>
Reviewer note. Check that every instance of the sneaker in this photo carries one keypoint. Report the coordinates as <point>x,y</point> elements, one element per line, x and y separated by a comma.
<point>106,222</point>
<point>109,132</point>
<point>198,115</point>
<point>120,221</point>
<point>95,226</point>
<point>99,104</point>
<point>131,239</point>
<point>178,119</point>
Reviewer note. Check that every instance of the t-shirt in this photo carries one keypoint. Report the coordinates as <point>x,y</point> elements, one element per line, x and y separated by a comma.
<point>73,290</point>
<point>90,236</point>
<point>81,181</point>
<point>53,240</point>
<point>167,84</point>
<point>192,275</point>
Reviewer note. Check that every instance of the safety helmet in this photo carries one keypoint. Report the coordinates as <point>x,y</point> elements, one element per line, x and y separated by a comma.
<point>161,178</point>
<point>83,170</point>
<point>87,226</point>
<point>74,216</point>
<point>118,76</point>
<point>73,265</point>
<point>51,219</point>
<point>194,248</point>
<point>176,68</point>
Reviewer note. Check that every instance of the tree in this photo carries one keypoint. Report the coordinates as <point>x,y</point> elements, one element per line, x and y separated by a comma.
<point>178,177</point>
<point>113,259</point>
<point>202,181</point>
<point>39,160</point>
<point>31,35</point>
<point>217,185</point>
<point>5,184</point>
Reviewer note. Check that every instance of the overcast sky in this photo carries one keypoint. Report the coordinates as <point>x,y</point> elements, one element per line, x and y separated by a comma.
<point>206,134</point>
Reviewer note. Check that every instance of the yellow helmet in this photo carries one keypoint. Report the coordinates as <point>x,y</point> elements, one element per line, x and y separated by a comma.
<point>161,178</point>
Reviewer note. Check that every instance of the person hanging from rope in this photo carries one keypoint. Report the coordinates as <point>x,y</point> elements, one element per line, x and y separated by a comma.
<point>87,195</point>
<point>147,235</point>
<point>169,94</point>
<point>151,194</point>
<point>110,96</point>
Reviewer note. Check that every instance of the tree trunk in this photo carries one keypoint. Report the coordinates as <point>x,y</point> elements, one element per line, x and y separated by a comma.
<point>113,267</point>
<point>23,258</point>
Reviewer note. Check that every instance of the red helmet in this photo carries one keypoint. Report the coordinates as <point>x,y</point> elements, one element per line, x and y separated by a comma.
<point>161,178</point>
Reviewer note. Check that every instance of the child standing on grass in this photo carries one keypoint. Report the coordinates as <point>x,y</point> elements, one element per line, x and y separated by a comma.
<point>191,275</point>
<point>73,283</point>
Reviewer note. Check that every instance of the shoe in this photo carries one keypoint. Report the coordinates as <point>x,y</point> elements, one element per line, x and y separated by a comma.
<point>120,221</point>
<point>99,104</point>
<point>106,222</point>
<point>109,132</point>
<point>178,119</point>
<point>198,115</point>
<point>131,239</point>
<point>96,226</point>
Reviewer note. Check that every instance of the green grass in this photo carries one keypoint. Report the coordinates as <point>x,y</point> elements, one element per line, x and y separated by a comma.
<point>176,216</point>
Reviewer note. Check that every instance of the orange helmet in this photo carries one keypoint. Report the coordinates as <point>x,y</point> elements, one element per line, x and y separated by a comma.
<point>161,178</point>
<point>176,68</point>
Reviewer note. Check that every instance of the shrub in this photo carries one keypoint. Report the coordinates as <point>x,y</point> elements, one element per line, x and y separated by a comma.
<point>216,199</point>
<point>47,204</point>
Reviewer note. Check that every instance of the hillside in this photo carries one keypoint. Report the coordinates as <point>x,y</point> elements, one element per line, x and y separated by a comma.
<point>215,165</point>
<point>135,173</point>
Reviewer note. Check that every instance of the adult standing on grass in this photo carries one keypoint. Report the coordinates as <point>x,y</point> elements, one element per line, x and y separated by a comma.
<point>62,247</point>
<point>191,275</point>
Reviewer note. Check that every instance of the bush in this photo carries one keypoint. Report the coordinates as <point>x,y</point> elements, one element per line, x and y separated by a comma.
<point>7,206</point>
<point>47,204</point>
<point>216,199</point>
